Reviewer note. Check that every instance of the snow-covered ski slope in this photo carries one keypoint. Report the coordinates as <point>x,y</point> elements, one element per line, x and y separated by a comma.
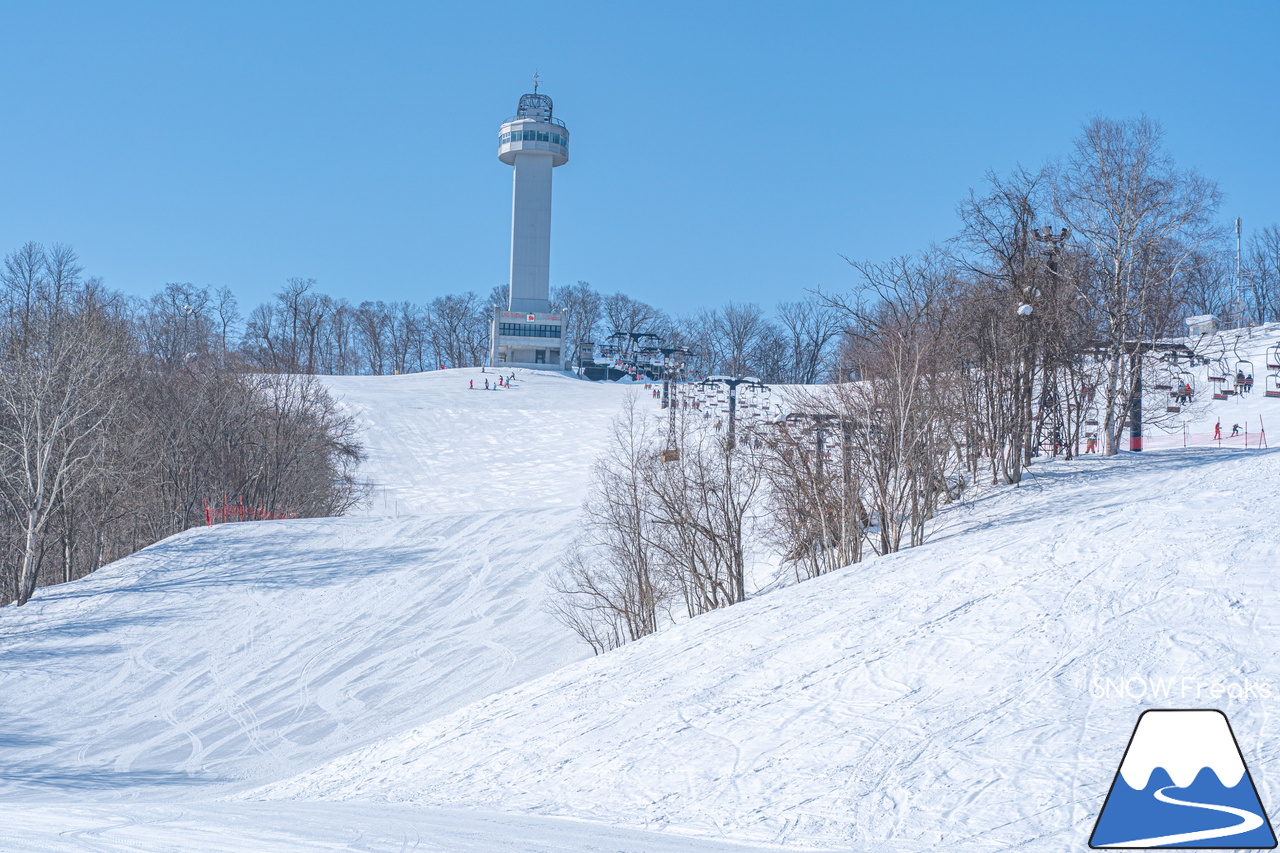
<point>225,658</point>
<point>390,681</point>
<point>434,445</point>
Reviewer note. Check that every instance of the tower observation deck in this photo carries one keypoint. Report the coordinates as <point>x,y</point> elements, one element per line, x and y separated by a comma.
<point>534,142</point>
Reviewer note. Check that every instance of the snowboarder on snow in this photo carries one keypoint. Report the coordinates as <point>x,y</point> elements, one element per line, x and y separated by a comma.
<point>1235,430</point>
<point>486,385</point>
<point>473,384</point>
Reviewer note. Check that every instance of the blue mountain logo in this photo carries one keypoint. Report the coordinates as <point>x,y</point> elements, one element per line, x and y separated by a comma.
<point>1183,784</point>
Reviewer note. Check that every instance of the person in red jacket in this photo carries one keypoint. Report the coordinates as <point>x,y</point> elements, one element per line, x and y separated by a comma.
<point>1217,431</point>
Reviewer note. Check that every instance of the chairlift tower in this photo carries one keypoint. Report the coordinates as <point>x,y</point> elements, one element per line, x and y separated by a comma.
<point>525,331</point>
<point>732,383</point>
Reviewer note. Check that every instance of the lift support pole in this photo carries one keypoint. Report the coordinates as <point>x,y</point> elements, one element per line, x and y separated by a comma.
<point>1135,405</point>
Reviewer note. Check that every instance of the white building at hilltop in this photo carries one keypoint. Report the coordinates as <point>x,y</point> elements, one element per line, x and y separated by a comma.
<point>525,333</point>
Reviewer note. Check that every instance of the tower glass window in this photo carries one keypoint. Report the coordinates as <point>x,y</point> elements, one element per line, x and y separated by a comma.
<point>528,330</point>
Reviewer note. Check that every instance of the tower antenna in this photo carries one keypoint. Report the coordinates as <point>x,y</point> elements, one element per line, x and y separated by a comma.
<point>535,81</point>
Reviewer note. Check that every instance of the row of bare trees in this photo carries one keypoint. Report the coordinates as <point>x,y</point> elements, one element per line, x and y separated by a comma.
<point>304,331</point>
<point>1025,334</point>
<point>119,418</point>
<point>661,532</point>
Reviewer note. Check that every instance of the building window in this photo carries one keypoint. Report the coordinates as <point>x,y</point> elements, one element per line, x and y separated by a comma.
<point>528,330</point>
<point>540,356</point>
<point>532,136</point>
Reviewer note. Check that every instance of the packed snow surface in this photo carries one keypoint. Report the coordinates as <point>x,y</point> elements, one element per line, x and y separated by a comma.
<point>391,681</point>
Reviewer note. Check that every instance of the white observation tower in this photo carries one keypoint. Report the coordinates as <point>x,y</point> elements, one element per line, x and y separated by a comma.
<point>525,332</point>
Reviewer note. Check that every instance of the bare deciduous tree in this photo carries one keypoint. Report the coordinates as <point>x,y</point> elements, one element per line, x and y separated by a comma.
<point>1139,221</point>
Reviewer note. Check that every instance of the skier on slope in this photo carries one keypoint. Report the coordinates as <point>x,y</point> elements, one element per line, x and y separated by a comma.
<point>472,384</point>
<point>1217,431</point>
<point>1235,430</point>
<point>486,385</point>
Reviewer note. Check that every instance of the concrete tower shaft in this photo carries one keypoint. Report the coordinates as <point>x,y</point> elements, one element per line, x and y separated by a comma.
<point>533,141</point>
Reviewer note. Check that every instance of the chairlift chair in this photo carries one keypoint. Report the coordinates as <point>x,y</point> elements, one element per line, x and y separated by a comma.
<point>1244,375</point>
<point>1273,357</point>
<point>1184,389</point>
<point>1273,385</point>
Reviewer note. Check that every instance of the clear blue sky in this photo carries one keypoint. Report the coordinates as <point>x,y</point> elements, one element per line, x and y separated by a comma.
<point>720,150</point>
